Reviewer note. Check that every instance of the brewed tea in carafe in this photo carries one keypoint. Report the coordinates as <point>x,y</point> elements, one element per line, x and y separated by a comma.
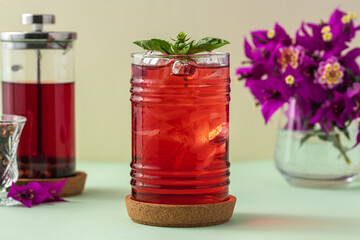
<point>38,82</point>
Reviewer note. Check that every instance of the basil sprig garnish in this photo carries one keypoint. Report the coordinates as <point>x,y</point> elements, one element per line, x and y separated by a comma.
<point>182,45</point>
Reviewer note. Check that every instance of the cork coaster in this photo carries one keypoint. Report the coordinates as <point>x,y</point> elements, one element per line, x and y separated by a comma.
<point>73,186</point>
<point>166,215</point>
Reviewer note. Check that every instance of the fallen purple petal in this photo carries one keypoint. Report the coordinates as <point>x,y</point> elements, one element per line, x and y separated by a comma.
<point>36,193</point>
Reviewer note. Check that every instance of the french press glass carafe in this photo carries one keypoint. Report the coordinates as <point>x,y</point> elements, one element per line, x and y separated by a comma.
<point>38,82</point>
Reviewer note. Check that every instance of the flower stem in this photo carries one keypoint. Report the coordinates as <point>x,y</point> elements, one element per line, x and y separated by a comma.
<point>337,143</point>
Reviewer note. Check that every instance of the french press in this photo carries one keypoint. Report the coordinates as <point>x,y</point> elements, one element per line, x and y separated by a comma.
<point>38,83</point>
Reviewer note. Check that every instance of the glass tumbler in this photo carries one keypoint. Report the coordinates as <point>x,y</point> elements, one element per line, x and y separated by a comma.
<point>11,127</point>
<point>180,126</point>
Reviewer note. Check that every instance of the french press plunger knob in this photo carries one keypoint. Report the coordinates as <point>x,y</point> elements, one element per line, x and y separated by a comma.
<point>37,20</point>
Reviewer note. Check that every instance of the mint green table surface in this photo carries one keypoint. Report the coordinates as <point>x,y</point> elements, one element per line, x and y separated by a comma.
<point>267,208</point>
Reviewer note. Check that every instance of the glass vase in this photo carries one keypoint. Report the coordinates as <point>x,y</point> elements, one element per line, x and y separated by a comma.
<point>308,157</point>
<point>11,127</point>
<point>180,125</point>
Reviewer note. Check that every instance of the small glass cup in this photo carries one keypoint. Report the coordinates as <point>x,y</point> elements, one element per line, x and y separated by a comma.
<point>11,127</point>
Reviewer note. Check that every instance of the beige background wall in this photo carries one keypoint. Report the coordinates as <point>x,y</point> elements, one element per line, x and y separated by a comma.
<point>106,31</point>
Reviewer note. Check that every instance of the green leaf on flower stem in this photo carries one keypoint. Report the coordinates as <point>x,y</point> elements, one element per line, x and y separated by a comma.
<point>337,144</point>
<point>7,189</point>
<point>306,137</point>
<point>318,133</point>
<point>346,133</point>
<point>182,45</point>
<point>324,137</point>
<point>334,138</point>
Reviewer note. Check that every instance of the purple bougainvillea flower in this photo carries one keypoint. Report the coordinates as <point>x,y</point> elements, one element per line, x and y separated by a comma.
<point>335,17</point>
<point>353,101</point>
<point>265,41</point>
<point>270,107</point>
<point>353,91</point>
<point>309,63</point>
<point>337,110</point>
<point>310,41</point>
<point>293,84</point>
<point>343,25</point>
<point>36,193</point>
<point>244,71</point>
<point>268,93</point>
<point>315,68</point>
<point>32,193</point>
<point>349,60</point>
<point>318,94</point>
<point>251,53</point>
<point>357,137</point>
<point>329,38</point>
<point>353,95</point>
<point>281,36</point>
<point>54,188</point>
<point>330,73</point>
<point>291,56</point>
<point>260,38</point>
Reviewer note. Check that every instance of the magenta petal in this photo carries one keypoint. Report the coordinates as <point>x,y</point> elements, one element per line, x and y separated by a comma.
<point>28,194</point>
<point>349,60</point>
<point>270,107</point>
<point>357,138</point>
<point>318,117</point>
<point>259,38</point>
<point>281,35</point>
<point>243,71</point>
<point>335,17</point>
<point>12,191</point>
<point>54,188</point>
<point>248,49</point>
<point>27,202</point>
<point>312,42</point>
<point>353,91</point>
<point>279,31</point>
<point>338,47</point>
<point>15,190</point>
<point>40,194</point>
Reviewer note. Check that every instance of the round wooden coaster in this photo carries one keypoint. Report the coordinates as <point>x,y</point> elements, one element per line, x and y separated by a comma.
<point>73,186</point>
<point>166,215</point>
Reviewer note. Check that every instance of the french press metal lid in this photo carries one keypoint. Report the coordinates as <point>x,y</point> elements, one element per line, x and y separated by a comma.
<point>38,38</point>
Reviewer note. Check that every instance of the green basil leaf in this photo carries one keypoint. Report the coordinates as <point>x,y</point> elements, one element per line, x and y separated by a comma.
<point>156,45</point>
<point>206,45</point>
<point>324,137</point>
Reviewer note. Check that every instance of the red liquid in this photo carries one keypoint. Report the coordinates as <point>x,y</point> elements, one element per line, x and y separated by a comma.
<point>180,135</point>
<point>47,144</point>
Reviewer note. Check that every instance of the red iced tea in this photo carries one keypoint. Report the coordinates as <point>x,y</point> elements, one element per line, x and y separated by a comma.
<point>180,125</point>
<point>47,146</point>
